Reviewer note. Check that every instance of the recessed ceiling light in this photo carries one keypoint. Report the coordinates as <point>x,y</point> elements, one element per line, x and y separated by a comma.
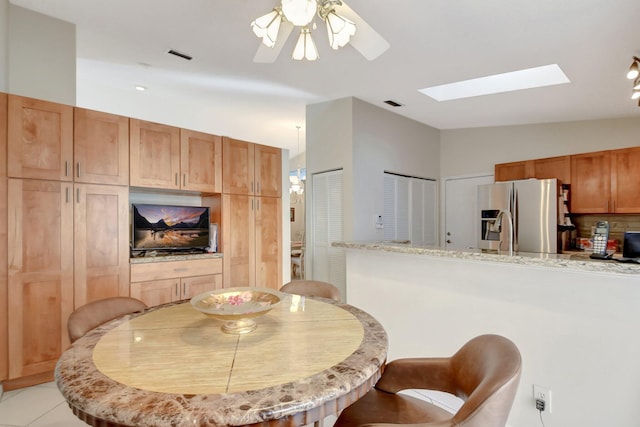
<point>141,88</point>
<point>547,75</point>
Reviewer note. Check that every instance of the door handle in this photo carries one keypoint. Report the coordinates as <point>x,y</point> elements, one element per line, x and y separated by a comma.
<point>448,241</point>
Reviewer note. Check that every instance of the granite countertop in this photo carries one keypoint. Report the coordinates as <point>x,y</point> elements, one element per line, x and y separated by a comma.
<point>573,260</point>
<point>175,257</point>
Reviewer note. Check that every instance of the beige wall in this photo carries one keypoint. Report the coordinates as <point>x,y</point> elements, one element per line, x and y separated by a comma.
<point>41,56</point>
<point>477,150</point>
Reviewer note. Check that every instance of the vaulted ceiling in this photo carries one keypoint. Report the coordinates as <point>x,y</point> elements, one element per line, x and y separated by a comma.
<point>121,43</point>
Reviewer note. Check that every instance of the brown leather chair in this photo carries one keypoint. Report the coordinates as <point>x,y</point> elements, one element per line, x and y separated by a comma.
<point>312,288</point>
<point>94,314</point>
<point>484,373</point>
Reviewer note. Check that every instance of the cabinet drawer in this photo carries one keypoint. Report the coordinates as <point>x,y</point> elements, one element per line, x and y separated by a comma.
<point>164,270</point>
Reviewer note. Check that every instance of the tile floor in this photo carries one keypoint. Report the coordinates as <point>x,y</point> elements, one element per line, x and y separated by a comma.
<point>37,406</point>
<point>44,406</point>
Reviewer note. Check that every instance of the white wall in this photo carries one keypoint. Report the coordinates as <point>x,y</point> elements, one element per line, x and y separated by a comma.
<point>385,141</point>
<point>576,330</point>
<point>4,45</point>
<point>477,150</point>
<point>42,56</point>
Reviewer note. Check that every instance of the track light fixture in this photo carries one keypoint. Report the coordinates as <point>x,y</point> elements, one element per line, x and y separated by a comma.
<point>301,13</point>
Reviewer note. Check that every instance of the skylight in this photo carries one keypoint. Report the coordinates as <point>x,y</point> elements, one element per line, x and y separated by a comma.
<point>547,75</point>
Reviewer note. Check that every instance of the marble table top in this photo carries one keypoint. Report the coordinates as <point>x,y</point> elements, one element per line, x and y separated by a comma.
<point>173,366</point>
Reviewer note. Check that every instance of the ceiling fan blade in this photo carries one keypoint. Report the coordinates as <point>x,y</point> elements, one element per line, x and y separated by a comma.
<point>270,54</point>
<point>366,40</point>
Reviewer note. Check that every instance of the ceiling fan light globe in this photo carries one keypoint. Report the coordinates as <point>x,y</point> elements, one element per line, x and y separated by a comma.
<point>305,47</point>
<point>267,27</point>
<point>633,69</point>
<point>635,94</point>
<point>299,12</point>
<point>339,30</point>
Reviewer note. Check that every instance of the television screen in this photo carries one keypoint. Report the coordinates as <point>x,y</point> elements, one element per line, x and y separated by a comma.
<point>170,227</point>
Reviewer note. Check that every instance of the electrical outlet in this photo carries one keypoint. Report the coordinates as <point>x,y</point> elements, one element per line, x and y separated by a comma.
<point>543,394</point>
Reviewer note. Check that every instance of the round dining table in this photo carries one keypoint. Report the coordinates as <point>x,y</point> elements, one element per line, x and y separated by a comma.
<point>173,366</point>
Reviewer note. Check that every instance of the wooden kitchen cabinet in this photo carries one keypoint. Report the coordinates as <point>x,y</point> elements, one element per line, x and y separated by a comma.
<point>157,283</point>
<point>154,155</point>
<point>100,147</point>
<point>40,279</point>
<point>101,242</point>
<point>40,143</point>
<point>513,171</point>
<point>251,169</point>
<point>4,345</point>
<point>171,158</point>
<point>252,242</point>
<point>551,167</point>
<point>625,180</point>
<point>201,161</point>
<point>591,175</point>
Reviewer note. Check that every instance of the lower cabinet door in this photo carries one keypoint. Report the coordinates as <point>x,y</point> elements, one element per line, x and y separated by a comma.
<point>192,286</point>
<point>156,292</point>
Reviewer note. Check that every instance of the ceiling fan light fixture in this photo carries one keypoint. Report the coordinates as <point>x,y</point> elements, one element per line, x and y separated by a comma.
<point>267,27</point>
<point>633,69</point>
<point>339,29</point>
<point>635,94</point>
<point>299,12</point>
<point>305,47</point>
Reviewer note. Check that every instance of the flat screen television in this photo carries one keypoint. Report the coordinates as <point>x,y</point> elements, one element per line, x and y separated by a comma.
<point>171,228</point>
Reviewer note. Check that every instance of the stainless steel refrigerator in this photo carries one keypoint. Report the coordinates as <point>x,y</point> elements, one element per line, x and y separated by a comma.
<point>533,206</point>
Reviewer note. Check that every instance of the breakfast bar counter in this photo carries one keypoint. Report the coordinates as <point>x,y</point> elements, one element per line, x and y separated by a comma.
<point>575,321</point>
<point>573,260</point>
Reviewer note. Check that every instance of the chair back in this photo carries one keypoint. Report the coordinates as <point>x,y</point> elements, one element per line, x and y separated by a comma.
<point>312,288</point>
<point>486,372</point>
<point>94,314</point>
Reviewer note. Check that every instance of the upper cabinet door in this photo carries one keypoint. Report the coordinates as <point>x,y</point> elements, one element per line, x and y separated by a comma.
<point>154,155</point>
<point>590,178</point>
<point>268,171</point>
<point>513,171</point>
<point>40,141</point>
<point>238,164</point>
<point>201,161</point>
<point>101,148</point>
<point>553,167</point>
<point>625,180</point>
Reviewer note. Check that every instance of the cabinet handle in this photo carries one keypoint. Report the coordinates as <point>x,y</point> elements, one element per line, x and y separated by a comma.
<point>77,195</point>
<point>67,195</point>
<point>78,169</point>
<point>180,269</point>
<point>184,180</point>
<point>176,290</point>
<point>66,168</point>
<point>184,290</point>
<point>258,187</point>
<point>177,182</point>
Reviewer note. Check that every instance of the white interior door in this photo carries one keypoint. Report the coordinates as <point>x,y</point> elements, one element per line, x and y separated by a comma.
<point>461,225</point>
<point>329,263</point>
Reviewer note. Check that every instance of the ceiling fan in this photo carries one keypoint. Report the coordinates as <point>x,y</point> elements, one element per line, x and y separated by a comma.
<point>343,26</point>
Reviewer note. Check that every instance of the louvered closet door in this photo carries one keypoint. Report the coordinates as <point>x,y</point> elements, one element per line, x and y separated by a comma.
<point>396,207</point>
<point>329,263</point>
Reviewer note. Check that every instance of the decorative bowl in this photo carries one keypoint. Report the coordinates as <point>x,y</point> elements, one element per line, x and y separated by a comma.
<point>237,306</point>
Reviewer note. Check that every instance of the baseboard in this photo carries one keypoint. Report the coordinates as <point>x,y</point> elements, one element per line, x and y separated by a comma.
<point>23,382</point>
